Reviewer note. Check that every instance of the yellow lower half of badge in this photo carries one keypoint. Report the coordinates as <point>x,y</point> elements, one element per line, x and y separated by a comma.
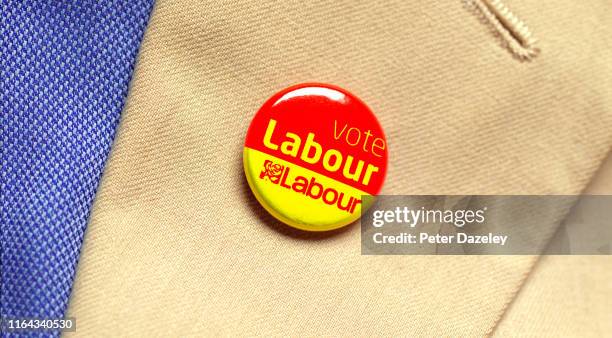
<point>300,197</point>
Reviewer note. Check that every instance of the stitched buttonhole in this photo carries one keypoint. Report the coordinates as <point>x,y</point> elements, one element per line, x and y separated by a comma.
<point>513,32</point>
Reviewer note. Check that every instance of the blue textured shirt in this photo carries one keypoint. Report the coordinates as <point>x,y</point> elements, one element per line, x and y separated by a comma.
<point>65,68</point>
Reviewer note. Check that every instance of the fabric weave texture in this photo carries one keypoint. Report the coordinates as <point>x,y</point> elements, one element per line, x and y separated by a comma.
<point>65,69</point>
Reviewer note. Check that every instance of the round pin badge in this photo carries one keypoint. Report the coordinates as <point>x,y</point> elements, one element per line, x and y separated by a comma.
<point>314,156</point>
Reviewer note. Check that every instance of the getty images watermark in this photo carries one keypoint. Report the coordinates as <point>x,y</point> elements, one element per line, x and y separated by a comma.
<point>480,225</point>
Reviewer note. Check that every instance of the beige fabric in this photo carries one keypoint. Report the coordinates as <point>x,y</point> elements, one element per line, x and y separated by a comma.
<point>177,245</point>
<point>566,296</point>
<point>602,181</point>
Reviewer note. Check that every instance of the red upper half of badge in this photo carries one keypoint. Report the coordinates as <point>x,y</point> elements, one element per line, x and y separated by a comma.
<point>325,129</point>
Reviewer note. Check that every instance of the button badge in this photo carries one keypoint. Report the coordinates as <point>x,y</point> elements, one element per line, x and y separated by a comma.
<point>312,152</point>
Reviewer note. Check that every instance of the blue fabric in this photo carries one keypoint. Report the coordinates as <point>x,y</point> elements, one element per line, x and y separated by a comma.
<point>65,68</point>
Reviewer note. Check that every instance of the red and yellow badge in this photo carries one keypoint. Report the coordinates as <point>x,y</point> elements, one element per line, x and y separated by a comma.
<point>311,153</point>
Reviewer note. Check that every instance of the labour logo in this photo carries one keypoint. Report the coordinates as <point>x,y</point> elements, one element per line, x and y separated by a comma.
<point>273,171</point>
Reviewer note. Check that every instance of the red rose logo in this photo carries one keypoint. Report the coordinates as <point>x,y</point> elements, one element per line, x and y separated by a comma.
<point>272,171</point>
